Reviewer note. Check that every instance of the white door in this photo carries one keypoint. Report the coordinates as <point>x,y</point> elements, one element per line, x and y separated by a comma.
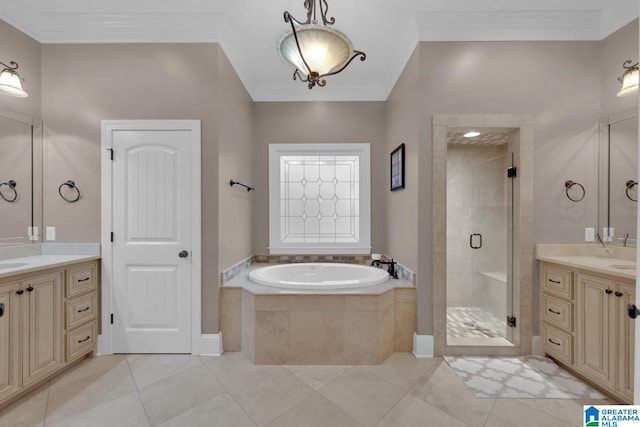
<point>152,223</point>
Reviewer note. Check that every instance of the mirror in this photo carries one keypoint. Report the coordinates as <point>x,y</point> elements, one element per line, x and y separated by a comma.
<point>618,178</point>
<point>20,178</point>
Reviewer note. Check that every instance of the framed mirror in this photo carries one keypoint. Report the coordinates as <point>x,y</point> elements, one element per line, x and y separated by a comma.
<point>618,178</point>
<point>20,178</point>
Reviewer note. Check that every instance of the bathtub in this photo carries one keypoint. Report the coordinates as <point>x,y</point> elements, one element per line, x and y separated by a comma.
<point>318,276</point>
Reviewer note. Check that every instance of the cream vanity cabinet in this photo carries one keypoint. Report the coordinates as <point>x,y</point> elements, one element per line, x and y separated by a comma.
<point>48,319</point>
<point>585,326</point>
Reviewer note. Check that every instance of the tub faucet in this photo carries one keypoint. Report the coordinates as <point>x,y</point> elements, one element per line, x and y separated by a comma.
<point>391,269</point>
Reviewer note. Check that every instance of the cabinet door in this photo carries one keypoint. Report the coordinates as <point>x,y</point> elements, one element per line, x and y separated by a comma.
<point>594,329</point>
<point>624,350</point>
<point>10,378</point>
<point>43,315</point>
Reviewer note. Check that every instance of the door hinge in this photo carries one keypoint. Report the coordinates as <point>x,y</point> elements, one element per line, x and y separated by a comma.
<point>512,172</point>
<point>112,236</point>
<point>511,321</point>
<point>110,153</point>
<point>112,318</point>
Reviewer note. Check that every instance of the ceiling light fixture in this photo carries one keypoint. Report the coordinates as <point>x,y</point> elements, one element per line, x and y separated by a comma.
<point>316,51</point>
<point>629,79</point>
<point>10,81</point>
<point>471,134</point>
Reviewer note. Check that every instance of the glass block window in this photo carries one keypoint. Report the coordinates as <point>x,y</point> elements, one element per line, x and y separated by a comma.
<point>316,201</point>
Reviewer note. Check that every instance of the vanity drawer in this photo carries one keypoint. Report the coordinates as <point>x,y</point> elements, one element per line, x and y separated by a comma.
<point>80,340</point>
<point>557,344</point>
<point>557,312</point>
<point>81,309</point>
<point>81,279</point>
<point>556,281</point>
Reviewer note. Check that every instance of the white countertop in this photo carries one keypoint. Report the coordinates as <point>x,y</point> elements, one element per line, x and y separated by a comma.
<point>242,281</point>
<point>604,265</point>
<point>40,262</point>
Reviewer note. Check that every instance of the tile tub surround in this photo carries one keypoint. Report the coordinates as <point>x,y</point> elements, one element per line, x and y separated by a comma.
<point>280,327</point>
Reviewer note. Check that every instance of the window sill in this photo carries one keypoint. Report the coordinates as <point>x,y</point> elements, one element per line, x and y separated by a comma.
<point>320,250</point>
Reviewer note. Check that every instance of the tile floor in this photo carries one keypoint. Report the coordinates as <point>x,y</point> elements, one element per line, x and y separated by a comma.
<point>229,391</point>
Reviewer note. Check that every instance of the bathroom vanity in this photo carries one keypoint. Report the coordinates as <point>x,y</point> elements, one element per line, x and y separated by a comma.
<point>48,318</point>
<point>585,326</point>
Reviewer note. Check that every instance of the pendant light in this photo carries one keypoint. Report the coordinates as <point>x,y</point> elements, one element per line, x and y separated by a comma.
<point>629,79</point>
<point>10,81</point>
<point>316,50</point>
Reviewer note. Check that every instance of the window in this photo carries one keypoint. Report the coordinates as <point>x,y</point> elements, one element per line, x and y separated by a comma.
<point>319,199</point>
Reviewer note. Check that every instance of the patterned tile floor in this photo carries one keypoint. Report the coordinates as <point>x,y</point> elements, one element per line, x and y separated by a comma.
<point>473,322</point>
<point>229,391</point>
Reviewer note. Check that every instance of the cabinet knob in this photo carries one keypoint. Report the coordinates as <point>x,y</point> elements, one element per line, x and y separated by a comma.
<point>30,289</point>
<point>1,309</point>
<point>608,291</point>
<point>618,294</point>
<point>633,311</point>
<point>19,292</point>
<point>183,254</point>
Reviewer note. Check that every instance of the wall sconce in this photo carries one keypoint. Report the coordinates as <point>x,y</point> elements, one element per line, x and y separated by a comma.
<point>315,50</point>
<point>10,81</point>
<point>629,79</point>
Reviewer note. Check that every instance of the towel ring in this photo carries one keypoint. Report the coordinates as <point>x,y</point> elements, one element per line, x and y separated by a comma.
<point>12,186</point>
<point>630,184</point>
<point>71,185</point>
<point>568,185</point>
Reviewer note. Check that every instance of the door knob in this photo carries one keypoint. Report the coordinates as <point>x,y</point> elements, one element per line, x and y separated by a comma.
<point>633,311</point>
<point>183,254</point>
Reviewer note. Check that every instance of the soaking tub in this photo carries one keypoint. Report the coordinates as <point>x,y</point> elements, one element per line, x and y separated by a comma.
<point>318,276</point>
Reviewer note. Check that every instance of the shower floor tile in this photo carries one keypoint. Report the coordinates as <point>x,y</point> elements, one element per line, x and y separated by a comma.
<point>473,322</point>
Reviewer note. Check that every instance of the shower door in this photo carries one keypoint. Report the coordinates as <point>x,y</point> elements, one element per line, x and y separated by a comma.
<point>490,241</point>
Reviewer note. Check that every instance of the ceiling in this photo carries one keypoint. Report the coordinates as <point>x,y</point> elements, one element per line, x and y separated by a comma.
<point>387,31</point>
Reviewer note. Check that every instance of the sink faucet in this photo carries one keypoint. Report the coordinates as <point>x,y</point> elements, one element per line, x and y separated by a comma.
<point>603,245</point>
<point>391,269</point>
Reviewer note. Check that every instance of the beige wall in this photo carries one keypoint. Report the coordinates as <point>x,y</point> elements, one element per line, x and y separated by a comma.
<point>508,77</point>
<point>84,84</point>
<point>319,123</point>
<point>235,156</point>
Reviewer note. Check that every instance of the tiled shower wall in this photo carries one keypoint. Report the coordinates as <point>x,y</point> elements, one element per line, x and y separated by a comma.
<point>476,203</point>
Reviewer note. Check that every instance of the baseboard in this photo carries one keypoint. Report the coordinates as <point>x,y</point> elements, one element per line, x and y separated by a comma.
<point>422,345</point>
<point>102,349</point>
<point>209,345</point>
<point>536,346</point>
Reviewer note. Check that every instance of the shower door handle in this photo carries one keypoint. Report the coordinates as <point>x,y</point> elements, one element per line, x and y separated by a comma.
<point>472,241</point>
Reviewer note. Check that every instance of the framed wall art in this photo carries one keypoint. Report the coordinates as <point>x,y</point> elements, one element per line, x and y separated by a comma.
<point>397,168</point>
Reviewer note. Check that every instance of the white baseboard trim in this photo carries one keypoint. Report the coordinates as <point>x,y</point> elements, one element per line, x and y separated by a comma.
<point>103,349</point>
<point>209,345</point>
<point>422,345</point>
<point>536,346</point>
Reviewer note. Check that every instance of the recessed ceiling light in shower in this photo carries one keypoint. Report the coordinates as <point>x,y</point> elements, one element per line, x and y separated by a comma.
<point>471,134</point>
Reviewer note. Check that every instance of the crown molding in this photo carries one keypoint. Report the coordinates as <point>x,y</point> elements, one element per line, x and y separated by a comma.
<point>509,26</point>
<point>143,28</point>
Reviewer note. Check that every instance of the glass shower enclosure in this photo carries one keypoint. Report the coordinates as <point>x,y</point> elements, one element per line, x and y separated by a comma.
<point>480,194</point>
